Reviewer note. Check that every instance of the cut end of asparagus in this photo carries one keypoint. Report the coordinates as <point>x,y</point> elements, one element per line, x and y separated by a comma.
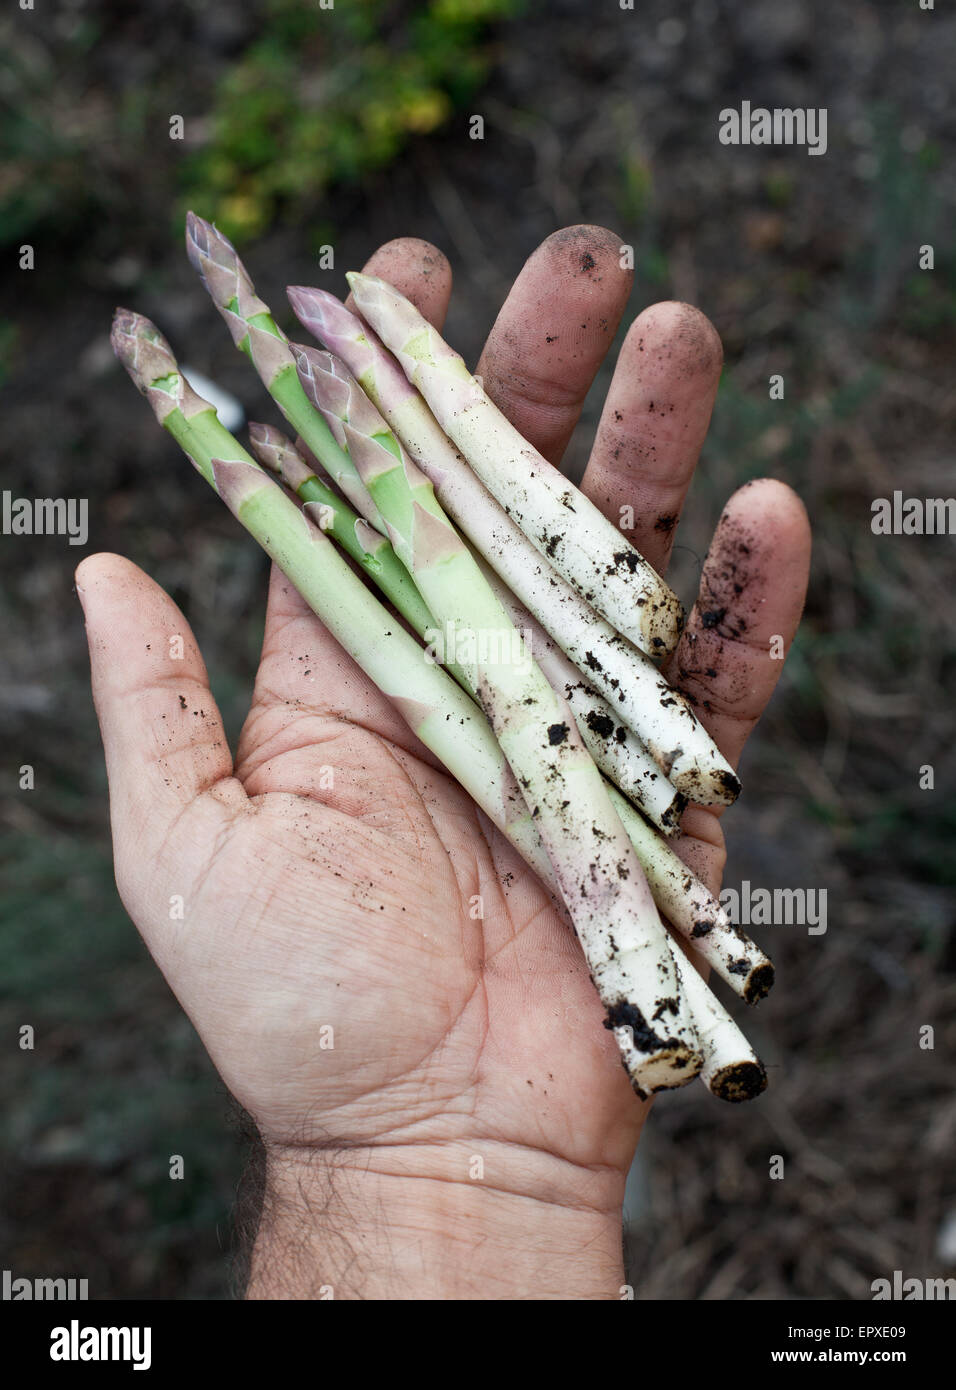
<point>671,816</point>
<point>739,1082</point>
<point>653,1063</point>
<point>666,1070</point>
<point>759,983</point>
<point>704,780</point>
<point>727,785</point>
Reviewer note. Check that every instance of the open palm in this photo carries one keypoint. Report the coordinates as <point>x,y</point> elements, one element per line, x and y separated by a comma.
<point>366,959</point>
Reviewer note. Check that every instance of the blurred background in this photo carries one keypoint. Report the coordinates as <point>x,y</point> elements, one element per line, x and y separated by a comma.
<point>306,127</point>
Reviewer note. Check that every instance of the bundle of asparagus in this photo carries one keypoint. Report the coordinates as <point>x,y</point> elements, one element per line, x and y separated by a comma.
<point>531,675</point>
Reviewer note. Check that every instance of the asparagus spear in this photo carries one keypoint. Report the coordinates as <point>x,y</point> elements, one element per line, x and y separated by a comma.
<point>628,954</point>
<point>661,717</point>
<point>586,548</point>
<point>256,333</point>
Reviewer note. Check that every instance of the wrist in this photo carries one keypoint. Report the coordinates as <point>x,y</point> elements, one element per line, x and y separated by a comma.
<point>457,1221</point>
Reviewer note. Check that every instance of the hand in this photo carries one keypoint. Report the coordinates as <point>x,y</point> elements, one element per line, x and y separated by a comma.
<point>471,1100</point>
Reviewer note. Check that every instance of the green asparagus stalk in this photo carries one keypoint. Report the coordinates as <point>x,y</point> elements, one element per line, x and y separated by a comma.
<point>599,874</point>
<point>582,545</point>
<point>370,549</point>
<point>631,971</point>
<point>659,716</point>
<point>256,333</point>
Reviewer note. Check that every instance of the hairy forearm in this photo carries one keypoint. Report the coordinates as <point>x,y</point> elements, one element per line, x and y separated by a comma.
<point>400,1223</point>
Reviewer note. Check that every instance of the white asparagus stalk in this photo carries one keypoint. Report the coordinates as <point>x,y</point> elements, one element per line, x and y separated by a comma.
<point>583,546</point>
<point>694,912</point>
<point>615,747</point>
<point>732,1071</point>
<point>629,955</point>
<point>661,717</point>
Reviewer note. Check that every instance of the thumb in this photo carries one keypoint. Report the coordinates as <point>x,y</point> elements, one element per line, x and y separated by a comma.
<point>162,732</point>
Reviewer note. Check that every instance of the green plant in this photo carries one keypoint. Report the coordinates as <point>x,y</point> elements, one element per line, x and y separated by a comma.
<point>325,96</point>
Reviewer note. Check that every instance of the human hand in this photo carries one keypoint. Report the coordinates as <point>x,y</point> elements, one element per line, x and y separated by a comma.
<point>332,875</point>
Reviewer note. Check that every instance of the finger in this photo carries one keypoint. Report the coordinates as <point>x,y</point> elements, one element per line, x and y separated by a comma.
<point>553,333</point>
<point>162,733</point>
<point>752,592</point>
<point>418,270</point>
<point>654,423</point>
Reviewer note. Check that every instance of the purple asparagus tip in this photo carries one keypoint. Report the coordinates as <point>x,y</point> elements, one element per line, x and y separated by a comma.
<point>310,358</point>
<point>122,333</point>
<point>140,347</point>
<point>321,313</point>
<point>204,240</point>
<point>306,300</point>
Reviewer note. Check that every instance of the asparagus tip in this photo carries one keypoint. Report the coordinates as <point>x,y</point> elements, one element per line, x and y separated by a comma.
<point>366,286</point>
<point>272,448</point>
<point>322,313</point>
<point>311,300</point>
<point>202,238</point>
<point>312,363</point>
<point>123,321</point>
<point>130,334</point>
